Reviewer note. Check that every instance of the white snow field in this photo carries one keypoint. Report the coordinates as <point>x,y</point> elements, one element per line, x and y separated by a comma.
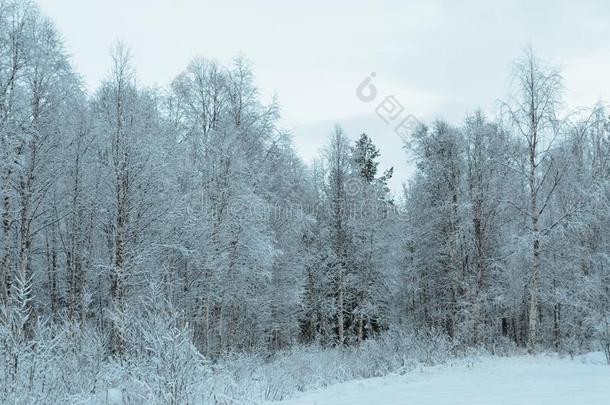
<point>524,380</point>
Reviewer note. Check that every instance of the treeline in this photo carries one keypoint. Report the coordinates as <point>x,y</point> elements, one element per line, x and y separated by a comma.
<point>132,209</point>
<point>507,218</point>
<point>187,203</point>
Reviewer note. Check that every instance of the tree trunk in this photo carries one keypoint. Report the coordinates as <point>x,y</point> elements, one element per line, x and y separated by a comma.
<point>5,261</point>
<point>533,312</point>
<point>340,309</point>
<point>360,329</point>
<point>52,274</point>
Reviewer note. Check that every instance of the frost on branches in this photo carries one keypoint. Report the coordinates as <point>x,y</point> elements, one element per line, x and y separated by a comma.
<point>161,244</point>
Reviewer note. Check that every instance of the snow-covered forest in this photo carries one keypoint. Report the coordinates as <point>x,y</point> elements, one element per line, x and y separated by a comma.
<point>167,244</point>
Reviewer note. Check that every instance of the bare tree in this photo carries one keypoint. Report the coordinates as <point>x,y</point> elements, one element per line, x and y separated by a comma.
<point>338,162</point>
<point>533,113</point>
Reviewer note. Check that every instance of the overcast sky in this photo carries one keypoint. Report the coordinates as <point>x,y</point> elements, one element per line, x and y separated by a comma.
<point>439,59</point>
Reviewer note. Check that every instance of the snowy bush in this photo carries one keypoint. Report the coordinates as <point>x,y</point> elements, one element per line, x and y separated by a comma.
<point>602,331</point>
<point>60,363</point>
<point>255,378</point>
<point>68,363</point>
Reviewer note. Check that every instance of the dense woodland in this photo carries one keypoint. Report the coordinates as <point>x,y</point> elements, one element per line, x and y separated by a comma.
<point>133,211</point>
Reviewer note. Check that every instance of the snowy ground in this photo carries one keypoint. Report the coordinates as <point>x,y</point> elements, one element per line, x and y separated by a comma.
<point>541,380</point>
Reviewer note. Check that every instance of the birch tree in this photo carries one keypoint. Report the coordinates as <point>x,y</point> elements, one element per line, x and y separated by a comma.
<point>534,117</point>
<point>338,171</point>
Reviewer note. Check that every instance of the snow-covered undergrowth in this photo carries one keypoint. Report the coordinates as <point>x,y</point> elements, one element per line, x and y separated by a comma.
<point>69,364</point>
<point>63,365</point>
<point>304,368</point>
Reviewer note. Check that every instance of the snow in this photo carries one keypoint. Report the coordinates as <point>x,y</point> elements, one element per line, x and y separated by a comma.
<point>539,380</point>
<point>115,396</point>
